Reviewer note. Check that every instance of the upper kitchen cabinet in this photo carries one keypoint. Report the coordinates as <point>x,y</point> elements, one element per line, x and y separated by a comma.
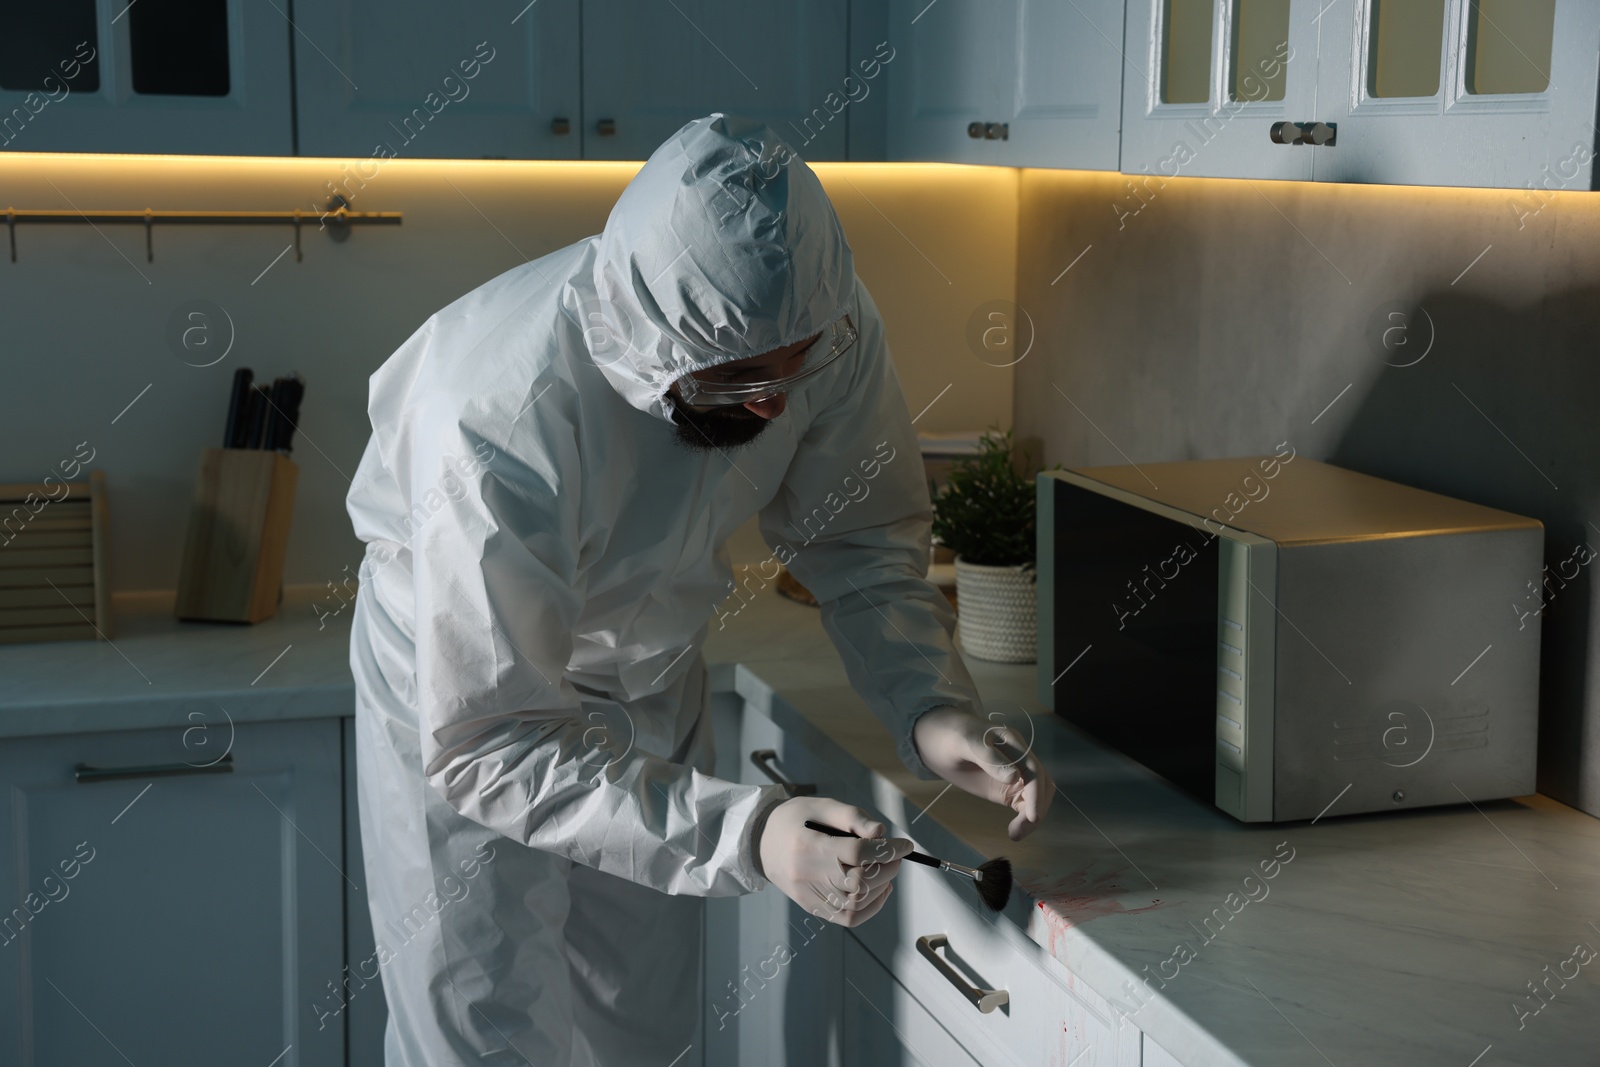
<point>650,68</point>
<point>1405,92</point>
<point>1460,92</point>
<point>1206,81</point>
<point>1032,83</point>
<point>156,76</point>
<point>401,78</point>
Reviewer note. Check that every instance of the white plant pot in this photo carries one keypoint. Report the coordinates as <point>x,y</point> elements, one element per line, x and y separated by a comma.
<point>996,608</point>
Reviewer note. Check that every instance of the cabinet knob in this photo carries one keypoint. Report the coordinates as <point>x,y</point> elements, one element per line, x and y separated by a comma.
<point>1321,133</point>
<point>975,130</point>
<point>606,127</point>
<point>1311,133</point>
<point>560,126</point>
<point>997,131</point>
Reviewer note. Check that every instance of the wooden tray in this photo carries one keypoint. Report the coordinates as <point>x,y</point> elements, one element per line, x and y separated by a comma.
<point>54,581</point>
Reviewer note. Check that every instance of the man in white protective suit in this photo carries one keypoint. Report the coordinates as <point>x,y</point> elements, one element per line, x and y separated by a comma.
<point>556,463</point>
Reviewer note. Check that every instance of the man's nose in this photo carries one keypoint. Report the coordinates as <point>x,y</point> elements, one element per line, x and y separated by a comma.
<point>769,407</point>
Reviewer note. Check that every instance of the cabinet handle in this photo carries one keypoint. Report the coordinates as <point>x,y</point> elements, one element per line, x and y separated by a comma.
<point>763,757</point>
<point>606,127</point>
<point>560,127</point>
<point>985,1000</point>
<point>85,773</point>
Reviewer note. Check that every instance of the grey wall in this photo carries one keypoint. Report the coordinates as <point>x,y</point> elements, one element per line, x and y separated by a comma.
<point>1213,318</point>
<point>86,316</point>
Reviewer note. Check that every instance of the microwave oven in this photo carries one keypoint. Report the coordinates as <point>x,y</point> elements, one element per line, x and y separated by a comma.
<point>1287,638</point>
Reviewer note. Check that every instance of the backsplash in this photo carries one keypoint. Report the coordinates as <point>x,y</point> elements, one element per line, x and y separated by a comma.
<point>931,242</point>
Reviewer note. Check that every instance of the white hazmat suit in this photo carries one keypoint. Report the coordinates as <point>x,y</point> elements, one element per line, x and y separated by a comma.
<point>543,562</point>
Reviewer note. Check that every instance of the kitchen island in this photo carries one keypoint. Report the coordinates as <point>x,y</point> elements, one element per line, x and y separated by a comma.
<point>1450,936</point>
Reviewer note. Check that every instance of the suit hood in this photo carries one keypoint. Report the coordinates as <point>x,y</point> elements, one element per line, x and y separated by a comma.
<point>723,246</point>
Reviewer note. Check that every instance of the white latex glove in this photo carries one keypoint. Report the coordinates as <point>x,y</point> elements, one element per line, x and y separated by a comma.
<point>841,879</point>
<point>987,760</point>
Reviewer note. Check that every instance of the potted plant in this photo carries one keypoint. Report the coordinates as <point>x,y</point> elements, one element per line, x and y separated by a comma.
<point>985,514</point>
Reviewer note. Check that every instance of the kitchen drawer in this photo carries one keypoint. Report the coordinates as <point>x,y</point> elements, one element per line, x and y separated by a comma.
<point>884,1025</point>
<point>1042,1023</point>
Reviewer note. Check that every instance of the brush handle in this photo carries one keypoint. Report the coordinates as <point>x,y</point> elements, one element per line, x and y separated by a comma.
<point>834,831</point>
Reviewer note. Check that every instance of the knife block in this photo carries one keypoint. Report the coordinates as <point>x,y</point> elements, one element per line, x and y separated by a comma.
<point>238,534</point>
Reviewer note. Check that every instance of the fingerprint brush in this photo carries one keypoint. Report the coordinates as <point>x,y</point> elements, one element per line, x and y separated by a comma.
<point>992,879</point>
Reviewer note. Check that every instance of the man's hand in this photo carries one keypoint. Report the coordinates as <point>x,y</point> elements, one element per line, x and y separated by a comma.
<point>844,880</point>
<point>987,760</point>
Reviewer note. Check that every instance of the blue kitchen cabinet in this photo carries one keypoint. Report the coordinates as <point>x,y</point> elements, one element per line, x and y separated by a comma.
<point>650,68</point>
<point>884,1025</point>
<point>1494,93</point>
<point>209,77</point>
<point>492,80</point>
<point>366,1012</point>
<point>1026,83</point>
<point>161,912</point>
<point>772,972</point>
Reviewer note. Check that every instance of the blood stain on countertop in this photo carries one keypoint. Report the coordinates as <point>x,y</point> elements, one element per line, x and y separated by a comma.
<point>1096,891</point>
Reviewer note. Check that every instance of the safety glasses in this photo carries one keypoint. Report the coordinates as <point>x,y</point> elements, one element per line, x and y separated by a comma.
<point>723,386</point>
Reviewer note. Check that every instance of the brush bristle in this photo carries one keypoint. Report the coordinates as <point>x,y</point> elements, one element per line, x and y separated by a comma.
<point>994,888</point>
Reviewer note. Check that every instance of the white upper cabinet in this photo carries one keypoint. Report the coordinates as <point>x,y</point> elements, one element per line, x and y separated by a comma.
<point>650,68</point>
<point>1012,82</point>
<point>1066,98</point>
<point>1406,92</point>
<point>953,63</point>
<point>1460,92</point>
<point>160,76</point>
<point>1206,80</point>
<point>403,78</point>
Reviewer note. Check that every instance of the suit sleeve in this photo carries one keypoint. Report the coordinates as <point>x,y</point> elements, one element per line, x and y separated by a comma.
<point>499,586</point>
<point>853,522</point>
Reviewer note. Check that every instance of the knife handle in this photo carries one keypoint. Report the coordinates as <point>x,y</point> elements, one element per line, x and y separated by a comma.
<point>256,420</point>
<point>238,404</point>
<point>294,390</point>
<point>275,420</point>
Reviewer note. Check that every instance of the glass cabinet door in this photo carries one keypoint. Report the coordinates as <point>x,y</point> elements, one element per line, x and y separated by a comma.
<point>168,76</point>
<point>1205,81</point>
<point>1459,92</point>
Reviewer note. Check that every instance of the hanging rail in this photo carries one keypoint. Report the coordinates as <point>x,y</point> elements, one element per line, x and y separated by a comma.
<point>336,216</point>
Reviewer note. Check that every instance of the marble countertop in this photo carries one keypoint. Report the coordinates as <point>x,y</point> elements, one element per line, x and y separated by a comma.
<point>156,670</point>
<point>1408,938</point>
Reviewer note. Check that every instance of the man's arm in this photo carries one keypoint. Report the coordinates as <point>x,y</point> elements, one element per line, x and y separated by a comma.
<point>855,516</point>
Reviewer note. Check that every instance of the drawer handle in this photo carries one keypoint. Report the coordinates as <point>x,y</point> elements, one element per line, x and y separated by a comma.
<point>763,757</point>
<point>85,773</point>
<point>985,1000</point>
